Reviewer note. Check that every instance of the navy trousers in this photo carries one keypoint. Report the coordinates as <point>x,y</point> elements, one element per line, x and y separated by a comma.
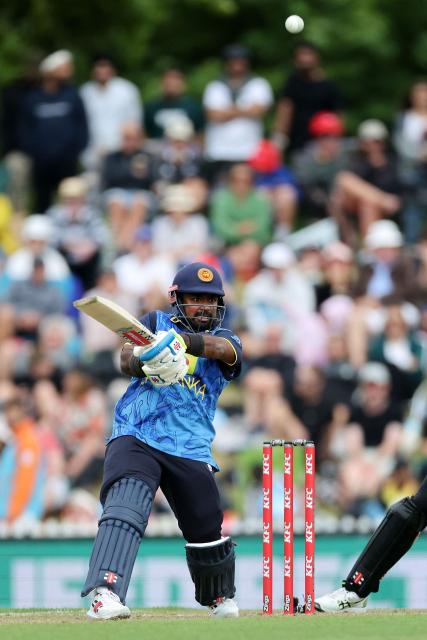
<point>188,485</point>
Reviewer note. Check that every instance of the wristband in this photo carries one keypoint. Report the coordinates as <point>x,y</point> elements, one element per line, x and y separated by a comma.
<point>195,343</point>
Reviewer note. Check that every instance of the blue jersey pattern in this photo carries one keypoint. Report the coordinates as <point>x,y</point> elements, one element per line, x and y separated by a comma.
<point>177,419</point>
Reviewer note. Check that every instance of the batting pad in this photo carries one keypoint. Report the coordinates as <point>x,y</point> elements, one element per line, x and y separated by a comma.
<point>390,541</point>
<point>121,527</point>
<point>211,566</point>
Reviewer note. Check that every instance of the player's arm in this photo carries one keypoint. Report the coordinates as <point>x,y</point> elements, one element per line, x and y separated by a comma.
<point>222,115</point>
<point>206,346</point>
<point>254,111</point>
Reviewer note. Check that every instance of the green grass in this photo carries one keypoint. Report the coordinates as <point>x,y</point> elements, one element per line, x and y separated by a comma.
<point>171,624</point>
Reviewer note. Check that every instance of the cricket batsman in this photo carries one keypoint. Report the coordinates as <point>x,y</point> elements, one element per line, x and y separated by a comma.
<point>162,436</point>
<point>394,536</point>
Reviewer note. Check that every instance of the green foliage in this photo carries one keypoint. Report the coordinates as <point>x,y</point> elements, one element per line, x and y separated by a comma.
<point>373,48</point>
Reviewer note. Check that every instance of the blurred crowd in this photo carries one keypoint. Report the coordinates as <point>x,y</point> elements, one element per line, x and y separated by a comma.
<point>320,237</point>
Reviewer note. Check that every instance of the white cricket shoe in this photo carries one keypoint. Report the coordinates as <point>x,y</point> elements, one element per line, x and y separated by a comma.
<point>224,608</point>
<point>106,605</point>
<point>341,600</point>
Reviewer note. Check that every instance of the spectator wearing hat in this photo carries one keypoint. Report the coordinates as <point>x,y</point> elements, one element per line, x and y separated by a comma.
<point>79,231</point>
<point>179,159</point>
<point>127,177</point>
<point>369,188</point>
<point>278,182</point>
<point>386,275</point>
<point>37,235</point>
<point>143,273</point>
<point>387,270</point>
<point>278,294</point>
<point>239,211</point>
<point>235,105</point>
<point>307,91</point>
<point>317,164</point>
<point>54,127</point>
<point>173,102</point>
<point>180,232</point>
<point>110,102</point>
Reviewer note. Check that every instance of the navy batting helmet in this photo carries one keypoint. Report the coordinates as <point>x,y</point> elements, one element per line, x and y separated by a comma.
<point>197,277</point>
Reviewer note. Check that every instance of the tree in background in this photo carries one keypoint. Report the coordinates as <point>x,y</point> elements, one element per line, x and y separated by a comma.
<point>373,49</point>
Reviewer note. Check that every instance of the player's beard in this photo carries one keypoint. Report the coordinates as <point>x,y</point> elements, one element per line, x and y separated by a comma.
<point>203,321</point>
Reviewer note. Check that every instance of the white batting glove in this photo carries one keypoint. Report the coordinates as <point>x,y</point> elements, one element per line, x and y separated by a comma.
<point>167,346</point>
<point>167,373</point>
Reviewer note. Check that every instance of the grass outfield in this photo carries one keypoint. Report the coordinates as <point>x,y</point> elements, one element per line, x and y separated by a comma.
<point>170,624</point>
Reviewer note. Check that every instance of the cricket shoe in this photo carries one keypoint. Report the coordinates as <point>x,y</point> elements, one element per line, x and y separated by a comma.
<point>224,608</point>
<point>341,600</point>
<point>106,605</point>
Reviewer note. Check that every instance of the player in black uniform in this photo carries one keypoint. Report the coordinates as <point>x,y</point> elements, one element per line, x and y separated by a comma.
<point>395,535</point>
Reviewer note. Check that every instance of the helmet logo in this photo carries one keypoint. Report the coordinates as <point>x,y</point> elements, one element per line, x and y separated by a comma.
<point>205,275</point>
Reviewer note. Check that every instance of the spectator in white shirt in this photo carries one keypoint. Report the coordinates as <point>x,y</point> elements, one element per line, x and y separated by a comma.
<point>110,102</point>
<point>235,105</point>
<point>37,236</point>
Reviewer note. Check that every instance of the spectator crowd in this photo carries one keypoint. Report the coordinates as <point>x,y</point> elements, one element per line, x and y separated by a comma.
<point>320,237</point>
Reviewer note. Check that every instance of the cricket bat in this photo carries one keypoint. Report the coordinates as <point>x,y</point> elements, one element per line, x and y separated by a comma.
<point>115,318</point>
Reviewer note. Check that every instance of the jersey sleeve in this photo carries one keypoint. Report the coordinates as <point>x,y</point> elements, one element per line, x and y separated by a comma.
<point>150,321</point>
<point>231,371</point>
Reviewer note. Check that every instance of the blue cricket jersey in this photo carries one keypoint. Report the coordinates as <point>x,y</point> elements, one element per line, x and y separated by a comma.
<point>177,419</point>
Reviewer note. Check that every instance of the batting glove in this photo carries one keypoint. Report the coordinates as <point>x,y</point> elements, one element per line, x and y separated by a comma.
<point>165,349</point>
<point>167,373</point>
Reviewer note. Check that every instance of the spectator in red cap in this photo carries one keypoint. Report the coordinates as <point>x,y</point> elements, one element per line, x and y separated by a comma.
<point>320,161</point>
<point>278,182</point>
<point>326,123</point>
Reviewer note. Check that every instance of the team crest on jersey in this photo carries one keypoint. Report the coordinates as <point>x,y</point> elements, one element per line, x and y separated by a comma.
<point>205,275</point>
